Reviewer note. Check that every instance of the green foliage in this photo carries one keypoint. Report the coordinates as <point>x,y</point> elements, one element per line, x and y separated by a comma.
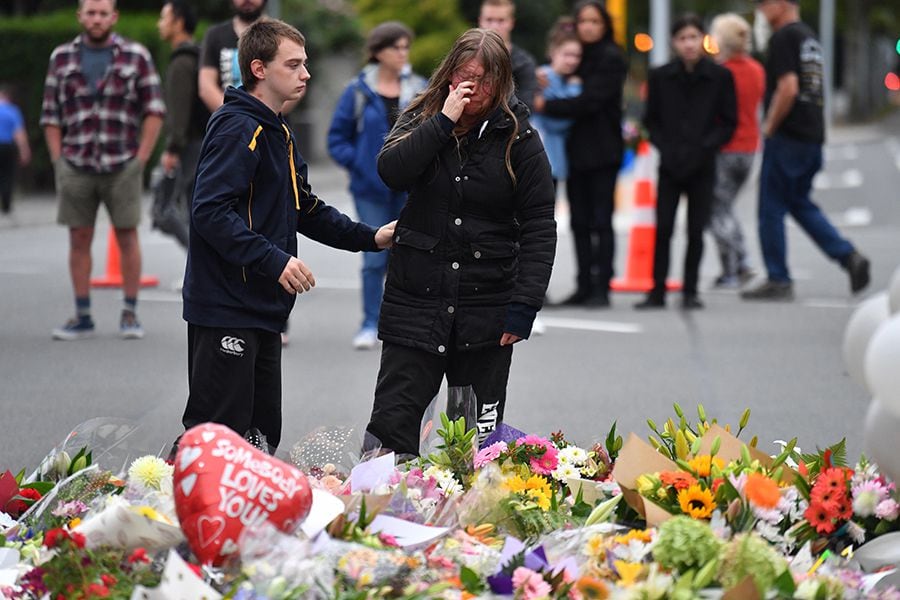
<point>748,555</point>
<point>456,452</point>
<point>327,26</point>
<point>684,544</point>
<point>436,23</point>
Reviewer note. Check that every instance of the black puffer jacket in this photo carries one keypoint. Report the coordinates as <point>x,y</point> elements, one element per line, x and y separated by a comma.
<point>471,250</point>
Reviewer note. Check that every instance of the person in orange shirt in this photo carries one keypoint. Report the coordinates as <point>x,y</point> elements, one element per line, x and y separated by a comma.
<point>735,160</point>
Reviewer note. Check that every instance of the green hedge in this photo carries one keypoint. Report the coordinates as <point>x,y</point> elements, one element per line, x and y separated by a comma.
<point>28,43</point>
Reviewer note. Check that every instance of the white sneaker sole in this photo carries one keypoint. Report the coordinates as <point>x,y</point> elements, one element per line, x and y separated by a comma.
<point>131,335</point>
<point>69,336</point>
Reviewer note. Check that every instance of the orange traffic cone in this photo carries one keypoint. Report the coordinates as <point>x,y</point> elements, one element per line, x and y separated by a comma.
<point>642,239</point>
<point>113,277</point>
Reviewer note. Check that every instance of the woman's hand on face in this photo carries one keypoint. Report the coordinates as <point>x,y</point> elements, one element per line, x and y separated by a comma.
<point>456,101</point>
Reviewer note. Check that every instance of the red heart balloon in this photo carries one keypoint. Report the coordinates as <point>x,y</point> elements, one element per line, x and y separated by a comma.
<point>223,485</point>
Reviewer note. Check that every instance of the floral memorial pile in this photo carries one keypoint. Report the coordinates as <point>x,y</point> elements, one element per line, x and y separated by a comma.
<point>689,511</point>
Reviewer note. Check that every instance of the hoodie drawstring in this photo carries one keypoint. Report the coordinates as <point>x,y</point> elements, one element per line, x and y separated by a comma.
<point>290,142</point>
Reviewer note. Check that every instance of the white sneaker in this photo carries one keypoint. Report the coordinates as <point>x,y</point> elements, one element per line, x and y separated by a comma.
<point>538,327</point>
<point>366,339</point>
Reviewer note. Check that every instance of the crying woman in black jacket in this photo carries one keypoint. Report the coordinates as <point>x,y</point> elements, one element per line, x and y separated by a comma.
<point>474,244</point>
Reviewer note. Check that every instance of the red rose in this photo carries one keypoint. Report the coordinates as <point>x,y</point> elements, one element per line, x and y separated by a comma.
<point>53,537</point>
<point>139,555</point>
<point>108,580</point>
<point>30,493</point>
<point>96,590</point>
<point>78,539</point>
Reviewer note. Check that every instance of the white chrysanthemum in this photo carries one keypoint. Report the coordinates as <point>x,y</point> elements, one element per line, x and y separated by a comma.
<point>445,480</point>
<point>572,455</point>
<point>564,472</point>
<point>150,472</point>
<point>579,455</point>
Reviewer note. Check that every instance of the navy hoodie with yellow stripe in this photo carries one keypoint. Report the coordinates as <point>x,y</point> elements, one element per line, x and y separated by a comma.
<point>251,197</point>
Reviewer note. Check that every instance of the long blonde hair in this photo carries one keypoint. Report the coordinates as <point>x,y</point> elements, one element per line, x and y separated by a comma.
<point>481,44</point>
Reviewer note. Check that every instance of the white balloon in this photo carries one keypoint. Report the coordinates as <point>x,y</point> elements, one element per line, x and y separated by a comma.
<point>860,328</point>
<point>894,292</point>
<point>882,364</point>
<point>881,441</point>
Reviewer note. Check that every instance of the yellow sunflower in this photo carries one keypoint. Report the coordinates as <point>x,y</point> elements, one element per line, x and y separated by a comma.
<point>696,502</point>
<point>702,464</point>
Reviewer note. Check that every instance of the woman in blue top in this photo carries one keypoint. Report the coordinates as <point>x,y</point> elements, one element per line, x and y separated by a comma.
<point>564,50</point>
<point>365,114</point>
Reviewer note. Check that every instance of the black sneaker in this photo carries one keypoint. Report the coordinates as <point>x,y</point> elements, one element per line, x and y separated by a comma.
<point>653,301</point>
<point>691,302</point>
<point>774,291</point>
<point>857,267</point>
<point>598,300</point>
<point>578,298</point>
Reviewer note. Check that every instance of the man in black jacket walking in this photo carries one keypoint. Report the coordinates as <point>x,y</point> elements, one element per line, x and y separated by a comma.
<point>186,118</point>
<point>251,198</point>
<point>691,112</point>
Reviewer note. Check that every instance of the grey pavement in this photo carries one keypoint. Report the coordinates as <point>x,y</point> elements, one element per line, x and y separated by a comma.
<point>591,367</point>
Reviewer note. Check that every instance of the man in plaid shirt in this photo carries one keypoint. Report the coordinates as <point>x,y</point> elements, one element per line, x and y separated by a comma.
<point>101,115</point>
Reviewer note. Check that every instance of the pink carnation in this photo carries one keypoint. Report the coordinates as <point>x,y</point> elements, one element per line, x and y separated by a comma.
<point>888,510</point>
<point>489,453</point>
<point>530,584</point>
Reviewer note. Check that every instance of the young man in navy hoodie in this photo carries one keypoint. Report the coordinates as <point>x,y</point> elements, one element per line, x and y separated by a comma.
<point>251,197</point>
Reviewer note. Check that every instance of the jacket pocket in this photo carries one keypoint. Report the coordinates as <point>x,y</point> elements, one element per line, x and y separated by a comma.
<point>414,264</point>
<point>492,267</point>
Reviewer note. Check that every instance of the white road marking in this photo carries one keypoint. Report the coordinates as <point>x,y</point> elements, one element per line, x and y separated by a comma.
<point>589,325</point>
<point>851,178</point>
<point>822,303</point>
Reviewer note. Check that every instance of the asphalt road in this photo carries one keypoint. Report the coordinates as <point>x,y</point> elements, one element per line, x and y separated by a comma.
<point>591,368</point>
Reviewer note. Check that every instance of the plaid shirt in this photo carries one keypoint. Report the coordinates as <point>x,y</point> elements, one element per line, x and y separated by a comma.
<point>101,129</point>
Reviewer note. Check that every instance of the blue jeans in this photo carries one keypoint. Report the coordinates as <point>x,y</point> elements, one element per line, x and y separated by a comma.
<point>375,212</point>
<point>785,182</point>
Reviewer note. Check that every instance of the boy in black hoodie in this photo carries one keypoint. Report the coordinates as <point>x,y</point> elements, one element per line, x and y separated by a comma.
<point>251,197</point>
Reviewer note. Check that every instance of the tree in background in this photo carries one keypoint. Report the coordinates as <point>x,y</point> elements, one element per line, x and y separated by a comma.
<point>436,23</point>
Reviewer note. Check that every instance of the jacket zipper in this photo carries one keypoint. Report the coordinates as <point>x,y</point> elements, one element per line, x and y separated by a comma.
<point>250,222</point>
<point>290,143</point>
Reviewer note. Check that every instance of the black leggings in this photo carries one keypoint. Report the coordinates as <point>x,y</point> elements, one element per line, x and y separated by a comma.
<point>591,202</point>
<point>8,158</point>
<point>699,191</point>
<point>409,379</point>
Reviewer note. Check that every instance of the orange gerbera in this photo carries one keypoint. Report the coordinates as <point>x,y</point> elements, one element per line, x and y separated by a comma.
<point>762,491</point>
<point>826,494</point>
<point>592,588</point>
<point>703,464</point>
<point>821,516</point>
<point>677,479</point>
<point>834,478</point>
<point>696,502</point>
